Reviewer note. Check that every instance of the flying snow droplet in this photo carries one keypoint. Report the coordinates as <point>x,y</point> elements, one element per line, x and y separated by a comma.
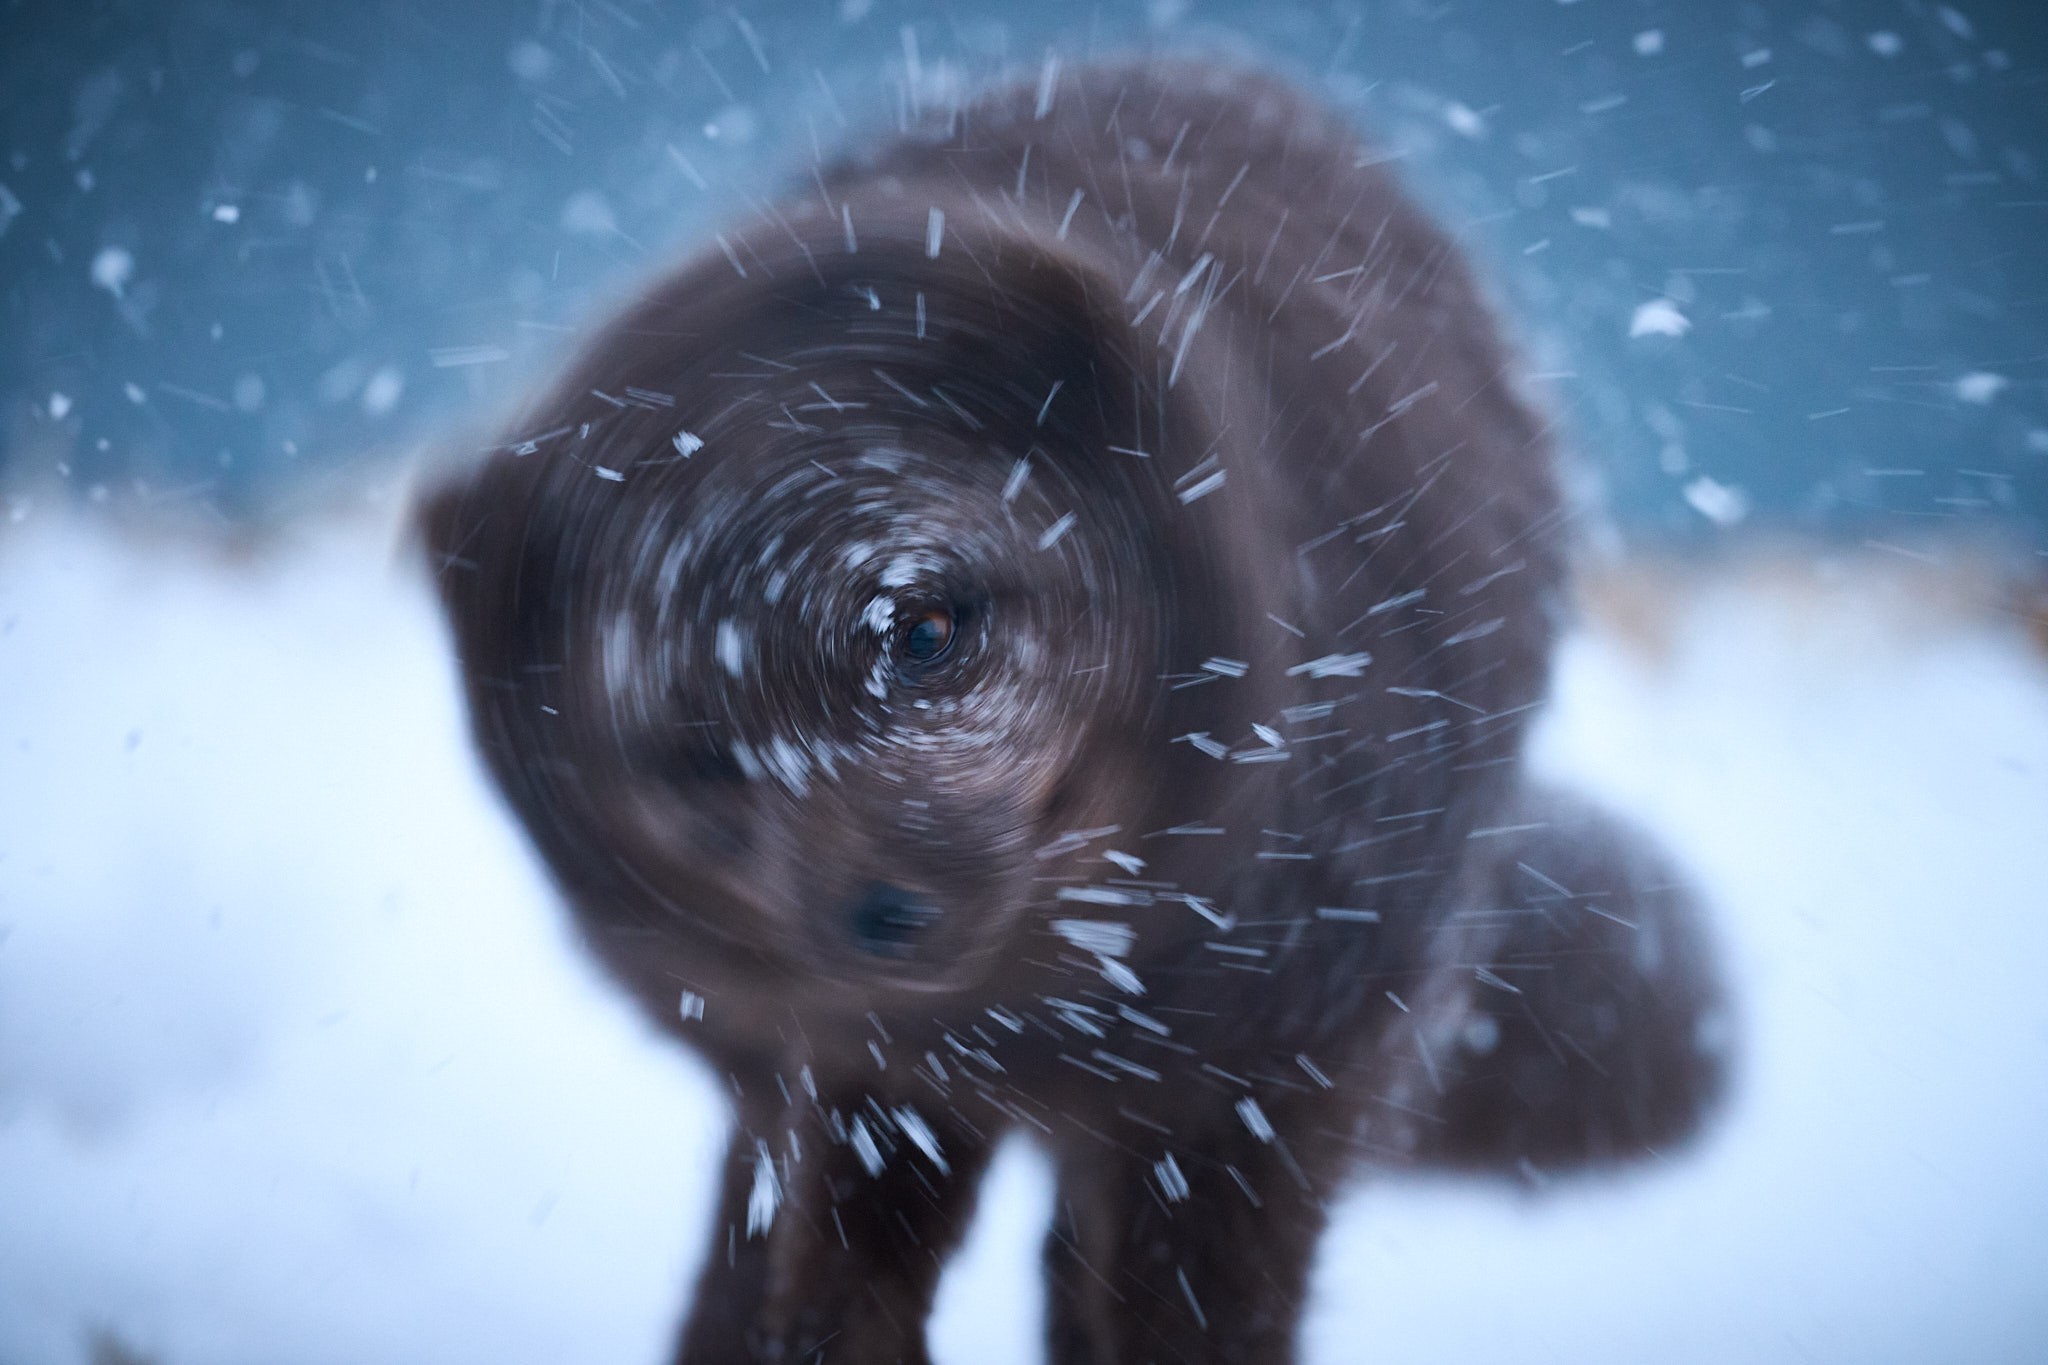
<point>1723,504</point>
<point>1333,666</point>
<point>731,647</point>
<point>1464,119</point>
<point>864,1147</point>
<point>1119,976</point>
<point>1048,86</point>
<point>1255,1120</point>
<point>111,269</point>
<point>381,394</point>
<point>588,214</point>
<point>1980,386</point>
<point>766,1194</point>
<point>920,1134</point>
<point>1100,895</point>
<point>1108,938</point>
<point>736,124</point>
<point>1015,483</point>
<point>1658,317</point>
<point>531,62</point>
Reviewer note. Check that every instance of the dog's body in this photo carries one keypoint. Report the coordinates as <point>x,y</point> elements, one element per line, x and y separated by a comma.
<point>1040,633</point>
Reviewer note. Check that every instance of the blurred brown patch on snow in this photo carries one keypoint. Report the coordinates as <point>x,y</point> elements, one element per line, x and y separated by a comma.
<point>1838,595</point>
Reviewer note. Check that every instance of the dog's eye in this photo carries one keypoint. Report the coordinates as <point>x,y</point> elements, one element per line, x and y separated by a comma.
<point>924,636</point>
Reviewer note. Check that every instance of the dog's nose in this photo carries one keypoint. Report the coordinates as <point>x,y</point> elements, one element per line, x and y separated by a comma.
<point>887,921</point>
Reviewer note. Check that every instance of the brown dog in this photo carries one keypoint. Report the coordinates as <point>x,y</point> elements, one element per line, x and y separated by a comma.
<point>1039,632</point>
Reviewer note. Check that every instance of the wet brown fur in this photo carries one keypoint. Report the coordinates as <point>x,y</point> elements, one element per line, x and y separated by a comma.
<point>1389,949</point>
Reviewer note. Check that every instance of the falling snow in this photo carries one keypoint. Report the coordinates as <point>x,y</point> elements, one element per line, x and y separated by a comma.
<point>289,1022</point>
<point>1658,318</point>
<point>1981,386</point>
<point>766,1194</point>
<point>1717,502</point>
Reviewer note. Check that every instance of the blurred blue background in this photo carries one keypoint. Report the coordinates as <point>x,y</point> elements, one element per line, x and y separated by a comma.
<point>1783,258</point>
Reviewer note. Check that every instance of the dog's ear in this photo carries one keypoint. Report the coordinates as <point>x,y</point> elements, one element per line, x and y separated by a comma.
<point>438,526</point>
<point>463,526</point>
<point>449,522</point>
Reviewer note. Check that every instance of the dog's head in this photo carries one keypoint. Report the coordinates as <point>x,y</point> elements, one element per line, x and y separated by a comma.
<point>841,579</point>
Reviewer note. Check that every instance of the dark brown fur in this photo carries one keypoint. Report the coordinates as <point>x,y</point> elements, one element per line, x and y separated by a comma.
<point>1383,946</point>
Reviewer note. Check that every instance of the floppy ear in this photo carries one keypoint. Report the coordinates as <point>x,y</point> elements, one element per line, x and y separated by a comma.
<point>436,527</point>
<point>462,524</point>
<point>458,527</point>
<point>448,522</point>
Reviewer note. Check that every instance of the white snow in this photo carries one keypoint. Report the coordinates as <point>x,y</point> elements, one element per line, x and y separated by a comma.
<point>1981,386</point>
<point>111,269</point>
<point>587,213</point>
<point>731,647</point>
<point>1860,776</point>
<point>1721,503</point>
<point>382,392</point>
<point>1464,119</point>
<point>295,1062</point>
<point>299,1064</point>
<point>1658,318</point>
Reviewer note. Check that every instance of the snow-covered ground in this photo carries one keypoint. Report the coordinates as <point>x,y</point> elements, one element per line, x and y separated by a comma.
<point>298,1065</point>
